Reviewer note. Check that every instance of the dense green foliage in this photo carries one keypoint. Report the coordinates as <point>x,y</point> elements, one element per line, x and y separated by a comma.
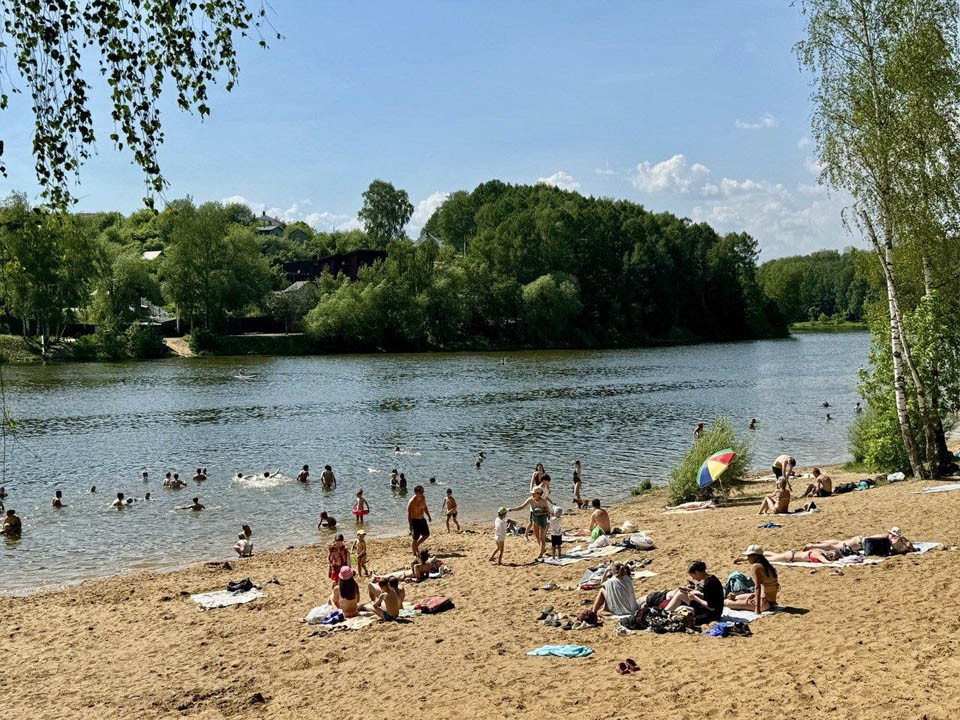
<point>823,285</point>
<point>535,265</point>
<point>683,485</point>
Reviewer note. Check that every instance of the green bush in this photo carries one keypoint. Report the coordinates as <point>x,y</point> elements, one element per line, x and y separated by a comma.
<point>143,341</point>
<point>645,486</point>
<point>683,486</point>
<point>202,339</point>
<point>876,441</point>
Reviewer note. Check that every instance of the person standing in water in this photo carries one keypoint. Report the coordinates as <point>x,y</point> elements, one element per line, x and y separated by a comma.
<point>327,479</point>
<point>450,507</point>
<point>58,499</point>
<point>698,431</point>
<point>361,507</point>
<point>304,474</point>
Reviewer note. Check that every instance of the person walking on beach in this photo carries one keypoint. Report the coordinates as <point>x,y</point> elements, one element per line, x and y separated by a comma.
<point>450,507</point>
<point>327,479</point>
<point>499,535</point>
<point>361,507</point>
<point>417,515</point>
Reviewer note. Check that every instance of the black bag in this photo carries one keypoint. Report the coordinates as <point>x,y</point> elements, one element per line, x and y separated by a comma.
<point>655,599</point>
<point>844,488</point>
<point>240,585</point>
<point>876,546</point>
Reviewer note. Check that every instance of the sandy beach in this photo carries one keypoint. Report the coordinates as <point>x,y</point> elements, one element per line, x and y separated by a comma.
<point>878,641</point>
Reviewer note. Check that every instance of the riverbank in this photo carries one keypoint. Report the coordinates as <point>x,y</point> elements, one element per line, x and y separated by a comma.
<point>885,630</point>
<point>828,326</point>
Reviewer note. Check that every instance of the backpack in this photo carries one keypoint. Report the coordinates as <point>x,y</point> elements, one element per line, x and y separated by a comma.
<point>876,546</point>
<point>434,604</point>
<point>239,585</point>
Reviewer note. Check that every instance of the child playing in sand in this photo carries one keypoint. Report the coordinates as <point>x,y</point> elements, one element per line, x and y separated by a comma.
<point>338,555</point>
<point>450,506</point>
<point>499,535</point>
<point>360,552</point>
<point>360,507</point>
<point>556,532</point>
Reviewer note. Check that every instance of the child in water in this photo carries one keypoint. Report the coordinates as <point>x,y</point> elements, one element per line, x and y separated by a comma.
<point>360,552</point>
<point>360,507</point>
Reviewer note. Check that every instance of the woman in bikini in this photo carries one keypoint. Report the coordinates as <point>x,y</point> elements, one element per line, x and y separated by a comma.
<point>577,483</point>
<point>813,556</point>
<point>779,501</point>
<point>899,545</point>
<point>539,512</point>
<point>346,593</point>
<point>766,582</point>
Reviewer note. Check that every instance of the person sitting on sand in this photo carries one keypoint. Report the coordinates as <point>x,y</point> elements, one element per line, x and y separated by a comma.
<point>346,594</point>
<point>779,501</point>
<point>450,507</point>
<point>765,580</point>
<point>783,466</point>
<point>243,546</point>
<point>12,526</point>
<point>704,594</point>
<point>304,474</point>
<point>338,556</point>
<point>599,521</point>
<point>326,521</point>
<point>388,604</point>
<point>617,595</point>
<point>539,512</point>
<point>822,485</point>
<point>373,588</point>
<point>199,477</point>
<point>58,499</point>
<point>360,552</point>
<point>194,505</point>
<point>327,479</point>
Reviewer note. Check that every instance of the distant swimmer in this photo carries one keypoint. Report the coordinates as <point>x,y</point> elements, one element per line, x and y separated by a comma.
<point>147,497</point>
<point>93,489</point>
<point>58,499</point>
<point>327,478</point>
<point>396,449</point>
<point>167,479</point>
<point>432,480</point>
<point>829,418</point>
<point>304,474</point>
<point>753,424</point>
<point>120,502</point>
<point>144,477</point>
<point>12,527</point>
<point>195,505</point>
<point>858,409</point>
<point>326,521</point>
<point>394,479</point>
<point>199,477</point>
<point>3,493</point>
<point>825,404</point>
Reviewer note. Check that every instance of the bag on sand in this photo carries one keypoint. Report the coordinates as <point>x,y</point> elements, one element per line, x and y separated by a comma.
<point>639,541</point>
<point>876,546</point>
<point>240,585</point>
<point>434,604</point>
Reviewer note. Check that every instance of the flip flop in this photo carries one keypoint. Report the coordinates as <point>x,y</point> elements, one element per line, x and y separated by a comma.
<point>622,669</point>
<point>631,665</point>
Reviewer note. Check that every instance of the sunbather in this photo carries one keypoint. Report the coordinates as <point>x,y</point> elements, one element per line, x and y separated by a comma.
<point>617,595</point>
<point>346,593</point>
<point>789,556</point>
<point>779,501</point>
<point>697,505</point>
<point>766,582</point>
<point>899,545</point>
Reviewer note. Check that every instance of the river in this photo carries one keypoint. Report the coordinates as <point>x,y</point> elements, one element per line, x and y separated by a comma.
<point>627,415</point>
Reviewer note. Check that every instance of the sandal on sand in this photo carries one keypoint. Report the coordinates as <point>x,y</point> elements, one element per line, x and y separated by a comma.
<point>622,669</point>
<point>632,665</point>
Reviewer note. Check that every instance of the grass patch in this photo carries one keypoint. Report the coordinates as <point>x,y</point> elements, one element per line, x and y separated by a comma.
<point>683,478</point>
<point>828,326</point>
<point>16,349</point>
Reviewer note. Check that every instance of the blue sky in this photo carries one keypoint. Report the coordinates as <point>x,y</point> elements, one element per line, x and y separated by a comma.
<point>695,107</point>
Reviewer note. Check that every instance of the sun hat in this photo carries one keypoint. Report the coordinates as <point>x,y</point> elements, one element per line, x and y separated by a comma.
<point>346,573</point>
<point>501,511</point>
<point>895,531</point>
<point>361,531</point>
<point>753,550</point>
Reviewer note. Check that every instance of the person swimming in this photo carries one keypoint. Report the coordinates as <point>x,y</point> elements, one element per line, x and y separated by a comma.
<point>58,499</point>
<point>753,424</point>
<point>195,505</point>
<point>326,521</point>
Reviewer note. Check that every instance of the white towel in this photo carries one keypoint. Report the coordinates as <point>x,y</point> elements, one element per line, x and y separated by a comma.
<point>223,598</point>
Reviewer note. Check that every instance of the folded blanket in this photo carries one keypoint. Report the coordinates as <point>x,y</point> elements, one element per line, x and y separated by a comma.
<point>923,547</point>
<point>223,598</point>
<point>567,651</point>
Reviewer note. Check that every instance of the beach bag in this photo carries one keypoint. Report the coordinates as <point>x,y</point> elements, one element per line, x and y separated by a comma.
<point>656,599</point>
<point>319,614</point>
<point>589,617</point>
<point>240,585</point>
<point>738,584</point>
<point>876,546</point>
<point>434,604</point>
<point>600,542</point>
<point>844,488</point>
<point>639,541</point>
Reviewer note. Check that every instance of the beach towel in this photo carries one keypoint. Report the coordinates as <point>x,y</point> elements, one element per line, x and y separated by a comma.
<point>583,553</point>
<point>939,488</point>
<point>923,547</point>
<point>224,598</point>
<point>356,623</point>
<point>560,561</point>
<point>744,616</point>
<point>566,651</point>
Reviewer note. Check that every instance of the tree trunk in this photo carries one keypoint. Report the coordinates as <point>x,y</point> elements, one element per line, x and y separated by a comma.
<point>885,253</point>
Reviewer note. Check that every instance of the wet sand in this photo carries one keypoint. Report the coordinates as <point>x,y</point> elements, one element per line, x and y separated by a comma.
<point>876,642</point>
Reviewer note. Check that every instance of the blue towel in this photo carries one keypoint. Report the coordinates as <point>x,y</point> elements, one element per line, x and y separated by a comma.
<point>769,526</point>
<point>721,630</point>
<point>567,651</point>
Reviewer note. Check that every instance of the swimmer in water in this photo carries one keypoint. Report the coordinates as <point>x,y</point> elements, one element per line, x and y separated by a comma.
<point>326,521</point>
<point>199,477</point>
<point>304,474</point>
<point>195,505</point>
<point>93,489</point>
<point>120,502</point>
<point>753,424</point>
<point>147,497</point>
<point>58,499</point>
<point>144,477</point>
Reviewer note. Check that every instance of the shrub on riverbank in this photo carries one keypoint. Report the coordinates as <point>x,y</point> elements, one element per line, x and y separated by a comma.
<point>683,486</point>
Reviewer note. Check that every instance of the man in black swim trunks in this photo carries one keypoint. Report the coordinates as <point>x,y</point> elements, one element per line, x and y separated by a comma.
<point>416,510</point>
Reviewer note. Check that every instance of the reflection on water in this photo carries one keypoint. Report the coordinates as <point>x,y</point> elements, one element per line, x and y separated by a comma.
<point>628,415</point>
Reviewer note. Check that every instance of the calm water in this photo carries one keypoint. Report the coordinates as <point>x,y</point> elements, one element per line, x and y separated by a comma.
<point>628,415</point>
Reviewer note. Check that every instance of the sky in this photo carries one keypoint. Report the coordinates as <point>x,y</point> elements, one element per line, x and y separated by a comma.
<point>692,107</point>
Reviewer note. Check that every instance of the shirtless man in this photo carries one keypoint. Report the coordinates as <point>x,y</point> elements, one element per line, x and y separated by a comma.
<point>58,499</point>
<point>450,506</point>
<point>416,509</point>
<point>327,479</point>
<point>199,477</point>
<point>599,521</point>
<point>304,475</point>
<point>784,466</point>
<point>822,485</point>
<point>195,505</point>
<point>12,527</point>
<point>145,477</point>
<point>120,503</point>
<point>387,605</point>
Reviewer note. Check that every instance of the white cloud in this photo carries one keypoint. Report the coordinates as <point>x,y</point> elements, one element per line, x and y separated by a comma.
<point>424,209</point>
<point>804,142</point>
<point>671,175</point>
<point>812,165</point>
<point>560,179</point>
<point>323,221</point>
<point>766,121</point>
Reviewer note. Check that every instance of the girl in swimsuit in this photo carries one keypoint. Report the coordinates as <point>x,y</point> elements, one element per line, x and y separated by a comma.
<point>361,507</point>
<point>766,581</point>
<point>577,482</point>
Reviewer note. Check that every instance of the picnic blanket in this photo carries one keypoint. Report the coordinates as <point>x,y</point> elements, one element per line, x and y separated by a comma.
<point>566,651</point>
<point>938,489</point>
<point>224,598</point>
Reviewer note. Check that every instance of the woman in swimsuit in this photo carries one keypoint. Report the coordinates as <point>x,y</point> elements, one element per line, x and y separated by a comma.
<point>779,501</point>
<point>577,483</point>
<point>346,593</point>
<point>850,546</point>
<point>539,512</point>
<point>813,556</point>
<point>765,579</point>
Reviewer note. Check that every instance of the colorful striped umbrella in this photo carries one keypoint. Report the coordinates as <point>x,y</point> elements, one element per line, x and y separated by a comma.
<point>714,466</point>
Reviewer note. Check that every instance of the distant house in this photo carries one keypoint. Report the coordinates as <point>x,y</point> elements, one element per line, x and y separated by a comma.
<point>348,264</point>
<point>298,235</point>
<point>266,225</point>
<point>151,254</point>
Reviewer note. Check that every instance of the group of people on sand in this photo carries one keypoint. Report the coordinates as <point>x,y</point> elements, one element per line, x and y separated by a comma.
<point>784,468</point>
